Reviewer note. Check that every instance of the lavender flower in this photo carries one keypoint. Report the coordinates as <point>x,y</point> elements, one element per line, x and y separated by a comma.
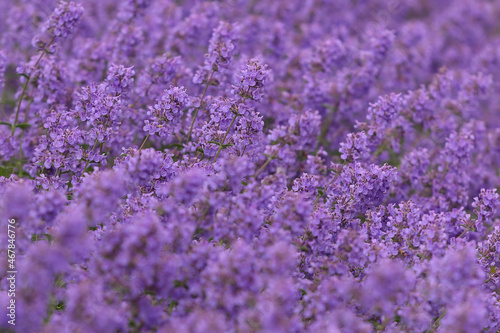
<point>3,68</point>
<point>220,51</point>
<point>355,148</point>
<point>167,111</point>
<point>303,166</point>
<point>251,81</point>
<point>64,19</point>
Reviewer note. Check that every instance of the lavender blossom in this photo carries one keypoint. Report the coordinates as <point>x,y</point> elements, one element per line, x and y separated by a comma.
<point>63,20</point>
<point>250,166</point>
<point>166,113</point>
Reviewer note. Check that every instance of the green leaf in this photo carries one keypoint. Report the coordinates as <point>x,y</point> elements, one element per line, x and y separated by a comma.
<point>180,284</point>
<point>173,304</point>
<point>6,124</point>
<point>271,157</point>
<point>303,249</point>
<point>59,306</point>
<point>59,281</point>
<point>6,171</point>
<point>175,145</point>
<point>23,125</point>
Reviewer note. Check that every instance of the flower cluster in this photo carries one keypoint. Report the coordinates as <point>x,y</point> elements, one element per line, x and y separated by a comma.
<point>250,166</point>
<point>167,111</point>
<point>220,52</point>
<point>64,19</point>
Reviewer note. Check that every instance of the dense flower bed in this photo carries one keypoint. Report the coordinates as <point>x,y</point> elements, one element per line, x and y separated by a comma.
<point>250,166</point>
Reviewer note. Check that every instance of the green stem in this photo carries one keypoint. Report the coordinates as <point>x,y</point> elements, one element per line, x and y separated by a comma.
<point>198,108</point>
<point>26,86</point>
<point>436,323</point>
<point>269,159</point>
<point>224,139</point>
<point>230,125</point>
<point>384,325</point>
<point>22,137</point>
<point>87,163</point>
<point>138,98</point>
<point>317,199</point>
<point>463,233</point>
<point>243,152</point>
<point>326,124</point>
<point>467,228</point>
<point>325,189</point>
<point>144,142</point>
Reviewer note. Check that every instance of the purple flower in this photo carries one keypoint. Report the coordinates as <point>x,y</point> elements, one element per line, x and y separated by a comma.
<point>251,81</point>
<point>165,115</point>
<point>250,166</point>
<point>355,148</point>
<point>64,19</point>
<point>220,52</point>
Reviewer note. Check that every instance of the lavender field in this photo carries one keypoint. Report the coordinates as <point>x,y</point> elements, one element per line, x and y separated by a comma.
<point>242,166</point>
